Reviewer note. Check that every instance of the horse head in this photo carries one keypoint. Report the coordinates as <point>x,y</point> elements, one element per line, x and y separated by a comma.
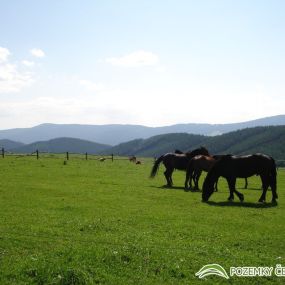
<point>201,150</point>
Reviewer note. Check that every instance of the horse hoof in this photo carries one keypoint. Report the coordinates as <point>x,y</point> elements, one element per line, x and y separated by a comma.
<point>261,200</point>
<point>230,199</point>
<point>274,202</point>
<point>241,198</point>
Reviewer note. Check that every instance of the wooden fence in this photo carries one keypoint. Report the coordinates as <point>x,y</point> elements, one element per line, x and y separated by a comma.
<point>65,155</point>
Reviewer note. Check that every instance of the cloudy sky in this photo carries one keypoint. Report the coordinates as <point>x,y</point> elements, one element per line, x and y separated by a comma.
<point>140,62</point>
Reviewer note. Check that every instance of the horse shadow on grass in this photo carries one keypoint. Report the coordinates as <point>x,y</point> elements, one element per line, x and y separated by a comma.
<point>165,187</point>
<point>242,204</point>
<point>181,188</point>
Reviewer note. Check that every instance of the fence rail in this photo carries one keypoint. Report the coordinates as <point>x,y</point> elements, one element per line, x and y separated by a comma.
<point>66,155</point>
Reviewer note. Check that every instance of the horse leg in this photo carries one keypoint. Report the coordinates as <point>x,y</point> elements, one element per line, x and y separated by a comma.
<point>167,175</point>
<point>273,187</point>
<point>246,183</point>
<point>240,195</point>
<point>231,186</point>
<point>170,176</point>
<point>216,185</point>
<point>188,177</point>
<point>197,175</point>
<point>265,185</point>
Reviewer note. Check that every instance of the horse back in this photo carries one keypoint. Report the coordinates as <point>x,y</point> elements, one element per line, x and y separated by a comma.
<point>249,165</point>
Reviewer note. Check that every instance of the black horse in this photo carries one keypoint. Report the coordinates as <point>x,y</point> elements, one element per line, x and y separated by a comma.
<point>173,161</point>
<point>231,167</point>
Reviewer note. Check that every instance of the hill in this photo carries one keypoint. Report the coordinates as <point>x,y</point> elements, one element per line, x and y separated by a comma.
<point>269,140</point>
<point>9,145</point>
<point>61,145</point>
<point>116,134</point>
<point>158,145</point>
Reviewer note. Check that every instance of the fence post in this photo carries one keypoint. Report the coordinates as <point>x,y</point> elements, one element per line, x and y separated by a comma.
<point>86,156</point>
<point>37,154</point>
<point>67,155</point>
<point>112,157</point>
<point>3,152</point>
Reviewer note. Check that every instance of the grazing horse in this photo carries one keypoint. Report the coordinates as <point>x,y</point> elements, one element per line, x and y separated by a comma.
<point>218,156</point>
<point>195,167</point>
<point>231,167</point>
<point>132,159</point>
<point>173,161</point>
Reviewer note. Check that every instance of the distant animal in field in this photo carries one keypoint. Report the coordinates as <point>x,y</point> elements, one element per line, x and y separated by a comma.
<point>194,169</point>
<point>132,159</point>
<point>138,162</point>
<point>102,159</point>
<point>232,167</point>
<point>173,161</point>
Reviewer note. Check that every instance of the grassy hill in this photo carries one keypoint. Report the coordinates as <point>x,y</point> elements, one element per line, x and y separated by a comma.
<point>61,145</point>
<point>269,140</point>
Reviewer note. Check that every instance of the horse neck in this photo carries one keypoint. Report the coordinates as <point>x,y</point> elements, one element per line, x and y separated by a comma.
<point>213,175</point>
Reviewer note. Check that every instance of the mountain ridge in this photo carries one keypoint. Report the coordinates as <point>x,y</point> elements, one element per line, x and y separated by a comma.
<point>113,134</point>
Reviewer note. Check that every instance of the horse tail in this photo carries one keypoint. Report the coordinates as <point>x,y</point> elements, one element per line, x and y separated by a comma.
<point>273,175</point>
<point>155,166</point>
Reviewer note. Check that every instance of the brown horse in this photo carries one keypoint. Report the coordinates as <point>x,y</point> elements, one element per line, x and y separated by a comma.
<point>232,167</point>
<point>173,161</point>
<point>195,167</point>
<point>132,159</point>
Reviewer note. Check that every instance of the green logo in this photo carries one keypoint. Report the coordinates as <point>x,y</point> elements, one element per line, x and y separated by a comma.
<point>212,269</point>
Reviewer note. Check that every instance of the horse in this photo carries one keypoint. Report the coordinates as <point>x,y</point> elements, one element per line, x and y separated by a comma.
<point>218,156</point>
<point>173,161</point>
<point>132,159</point>
<point>195,167</point>
<point>232,167</point>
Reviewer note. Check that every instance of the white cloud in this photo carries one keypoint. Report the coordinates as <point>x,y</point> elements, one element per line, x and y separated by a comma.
<point>4,53</point>
<point>11,78</point>
<point>135,59</point>
<point>36,52</point>
<point>28,63</point>
<point>91,86</point>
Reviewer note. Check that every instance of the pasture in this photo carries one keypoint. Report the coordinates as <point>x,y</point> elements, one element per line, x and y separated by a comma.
<point>91,222</point>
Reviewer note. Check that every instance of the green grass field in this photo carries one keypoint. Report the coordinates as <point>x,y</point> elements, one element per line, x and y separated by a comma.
<point>90,222</point>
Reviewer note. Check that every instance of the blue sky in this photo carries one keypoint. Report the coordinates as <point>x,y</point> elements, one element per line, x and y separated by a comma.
<point>140,62</point>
